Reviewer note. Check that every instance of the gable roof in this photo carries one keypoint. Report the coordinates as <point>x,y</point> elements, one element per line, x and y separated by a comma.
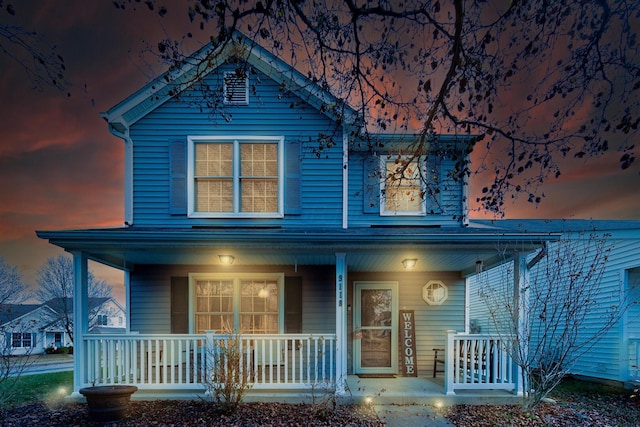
<point>207,59</point>
<point>14,312</point>
<point>9,312</point>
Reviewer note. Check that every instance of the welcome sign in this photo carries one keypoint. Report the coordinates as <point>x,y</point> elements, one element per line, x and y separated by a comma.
<point>408,344</point>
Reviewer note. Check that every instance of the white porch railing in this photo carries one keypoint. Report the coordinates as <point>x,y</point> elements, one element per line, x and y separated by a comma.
<point>478,362</point>
<point>186,361</point>
<point>145,360</point>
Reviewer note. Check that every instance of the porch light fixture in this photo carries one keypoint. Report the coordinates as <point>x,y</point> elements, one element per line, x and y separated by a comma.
<point>479,267</point>
<point>226,259</point>
<point>409,263</point>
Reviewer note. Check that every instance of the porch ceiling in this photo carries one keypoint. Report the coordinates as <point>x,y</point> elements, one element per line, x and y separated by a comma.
<point>366,249</point>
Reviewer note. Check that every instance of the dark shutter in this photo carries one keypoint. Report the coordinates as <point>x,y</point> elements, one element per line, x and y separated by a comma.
<point>435,179</point>
<point>178,177</point>
<point>371,180</point>
<point>179,305</point>
<point>292,179</point>
<point>292,305</point>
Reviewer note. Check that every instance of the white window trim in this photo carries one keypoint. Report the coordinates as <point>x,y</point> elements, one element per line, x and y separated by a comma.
<point>236,294</point>
<point>227,101</point>
<point>383,183</point>
<point>192,140</point>
<point>22,334</point>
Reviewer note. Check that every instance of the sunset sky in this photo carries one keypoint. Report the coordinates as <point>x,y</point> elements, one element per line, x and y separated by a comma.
<point>60,168</point>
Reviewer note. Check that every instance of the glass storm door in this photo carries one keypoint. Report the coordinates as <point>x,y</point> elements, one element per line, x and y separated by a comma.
<point>375,329</point>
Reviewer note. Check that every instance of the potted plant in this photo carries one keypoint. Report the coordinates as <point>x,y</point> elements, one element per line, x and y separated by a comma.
<point>108,402</point>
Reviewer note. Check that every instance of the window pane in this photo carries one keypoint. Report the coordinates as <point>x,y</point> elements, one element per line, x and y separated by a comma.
<point>259,195</point>
<point>376,348</point>
<point>214,159</point>
<point>259,306</point>
<point>376,305</point>
<point>214,195</point>
<point>259,160</point>
<point>403,189</point>
<point>214,305</point>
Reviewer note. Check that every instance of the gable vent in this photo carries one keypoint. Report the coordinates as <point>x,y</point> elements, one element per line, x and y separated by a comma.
<point>236,89</point>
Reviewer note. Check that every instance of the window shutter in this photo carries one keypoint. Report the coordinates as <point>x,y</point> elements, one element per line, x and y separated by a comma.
<point>179,305</point>
<point>292,305</point>
<point>435,180</point>
<point>178,177</point>
<point>371,182</point>
<point>292,179</point>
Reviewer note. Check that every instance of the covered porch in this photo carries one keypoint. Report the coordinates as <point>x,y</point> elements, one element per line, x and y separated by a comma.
<point>180,364</point>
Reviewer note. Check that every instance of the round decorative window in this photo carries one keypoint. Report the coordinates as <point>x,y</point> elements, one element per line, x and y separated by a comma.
<point>435,292</point>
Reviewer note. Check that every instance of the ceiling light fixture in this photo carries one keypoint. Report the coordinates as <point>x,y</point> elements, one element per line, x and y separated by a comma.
<point>226,259</point>
<point>409,263</point>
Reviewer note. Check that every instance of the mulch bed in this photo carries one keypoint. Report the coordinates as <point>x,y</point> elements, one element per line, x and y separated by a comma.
<point>197,413</point>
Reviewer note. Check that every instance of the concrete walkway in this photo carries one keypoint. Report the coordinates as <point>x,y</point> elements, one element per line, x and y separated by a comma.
<point>410,416</point>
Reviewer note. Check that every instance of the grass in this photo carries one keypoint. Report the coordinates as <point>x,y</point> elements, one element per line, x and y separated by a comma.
<point>39,387</point>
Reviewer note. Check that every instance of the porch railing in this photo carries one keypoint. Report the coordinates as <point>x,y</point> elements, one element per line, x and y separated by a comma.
<point>187,361</point>
<point>478,362</point>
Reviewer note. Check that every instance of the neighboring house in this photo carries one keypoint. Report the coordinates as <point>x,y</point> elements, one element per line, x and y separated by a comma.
<point>239,222</point>
<point>21,328</point>
<point>105,315</point>
<point>32,328</point>
<point>616,355</point>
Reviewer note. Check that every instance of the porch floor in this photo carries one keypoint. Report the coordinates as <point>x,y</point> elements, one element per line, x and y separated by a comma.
<point>377,391</point>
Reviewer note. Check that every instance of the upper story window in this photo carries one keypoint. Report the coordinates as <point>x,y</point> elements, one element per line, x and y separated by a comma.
<point>236,177</point>
<point>236,89</point>
<point>402,189</point>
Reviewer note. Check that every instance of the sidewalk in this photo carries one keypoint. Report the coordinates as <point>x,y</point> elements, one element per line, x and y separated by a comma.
<point>43,363</point>
<point>410,416</point>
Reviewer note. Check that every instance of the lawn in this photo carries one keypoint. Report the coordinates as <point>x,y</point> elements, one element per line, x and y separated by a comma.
<point>39,387</point>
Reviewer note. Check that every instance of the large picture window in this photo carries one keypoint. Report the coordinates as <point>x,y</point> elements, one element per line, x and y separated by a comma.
<point>241,176</point>
<point>250,304</point>
<point>402,189</point>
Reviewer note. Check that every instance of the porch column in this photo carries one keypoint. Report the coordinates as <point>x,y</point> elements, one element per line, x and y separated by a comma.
<point>341,323</point>
<point>521,317</point>
<point>80,319</point>
<point>127,300</point>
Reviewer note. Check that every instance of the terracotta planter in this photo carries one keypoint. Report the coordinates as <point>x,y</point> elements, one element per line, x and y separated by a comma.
<point>108,402</point>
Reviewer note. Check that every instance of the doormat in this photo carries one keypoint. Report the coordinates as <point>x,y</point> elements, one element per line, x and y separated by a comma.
<point>376,375</point>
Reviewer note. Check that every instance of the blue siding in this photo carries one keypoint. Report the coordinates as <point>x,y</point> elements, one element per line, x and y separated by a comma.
<point>270,112</point>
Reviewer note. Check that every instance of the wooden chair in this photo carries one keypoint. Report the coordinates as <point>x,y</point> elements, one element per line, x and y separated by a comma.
<point>437,360</point>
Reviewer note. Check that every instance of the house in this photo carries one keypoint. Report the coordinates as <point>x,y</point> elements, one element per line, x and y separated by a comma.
<point>21,328</point>
<point>269,219</point>
<point>33,328</point>
<point>613,295</point>
<point>105,315</point>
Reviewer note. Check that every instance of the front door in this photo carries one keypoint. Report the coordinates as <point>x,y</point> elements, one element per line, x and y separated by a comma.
<point>375,316</point>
